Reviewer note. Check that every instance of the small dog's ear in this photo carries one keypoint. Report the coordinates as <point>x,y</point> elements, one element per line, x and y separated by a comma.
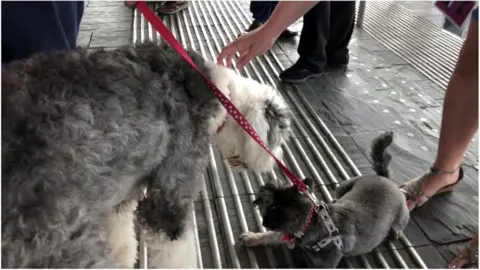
<point>309,182</point>
<point>257,201</point>
<point>269,187</point>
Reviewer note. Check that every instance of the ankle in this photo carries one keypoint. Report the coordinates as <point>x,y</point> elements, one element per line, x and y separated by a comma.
<point>443,179</point>
<point>446,168</point>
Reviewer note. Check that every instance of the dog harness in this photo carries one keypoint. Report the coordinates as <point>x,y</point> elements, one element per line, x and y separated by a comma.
<point>333,234</point>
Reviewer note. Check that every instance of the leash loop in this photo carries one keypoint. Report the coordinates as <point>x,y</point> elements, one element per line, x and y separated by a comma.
<point>160,27</point>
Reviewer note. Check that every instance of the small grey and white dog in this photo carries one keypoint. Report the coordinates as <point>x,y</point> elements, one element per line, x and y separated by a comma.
<point>367,210</point>
<point>83,133</point>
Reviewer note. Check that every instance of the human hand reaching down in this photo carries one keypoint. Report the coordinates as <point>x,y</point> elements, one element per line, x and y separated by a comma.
<point>248,45</point>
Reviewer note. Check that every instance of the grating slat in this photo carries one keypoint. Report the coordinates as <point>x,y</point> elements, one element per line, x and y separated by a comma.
<point>430,49</point>
<point>205,27</point>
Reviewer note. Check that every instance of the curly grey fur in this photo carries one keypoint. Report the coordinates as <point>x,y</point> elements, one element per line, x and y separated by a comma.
<point>367,210</point>
<point>82,133</point>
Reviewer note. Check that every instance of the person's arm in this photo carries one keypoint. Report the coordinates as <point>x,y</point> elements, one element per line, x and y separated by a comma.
<point>285,14</point>
<point>259,41</point>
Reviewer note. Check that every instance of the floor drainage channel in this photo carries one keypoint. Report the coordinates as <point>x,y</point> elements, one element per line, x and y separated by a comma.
<point>224,206</point>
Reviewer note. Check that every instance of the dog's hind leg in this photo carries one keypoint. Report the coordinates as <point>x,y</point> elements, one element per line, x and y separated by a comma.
<point>400,222</point>
<point>327,258</point>
<point>121,234</point>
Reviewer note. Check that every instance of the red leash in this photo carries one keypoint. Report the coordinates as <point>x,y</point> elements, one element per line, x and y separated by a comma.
<point>232,110</point>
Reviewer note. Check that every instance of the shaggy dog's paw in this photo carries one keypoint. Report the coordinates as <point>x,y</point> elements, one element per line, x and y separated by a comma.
<point>249,239</point>
<point>161,217</point>
<point>236,165</point>
<point>394,235</point>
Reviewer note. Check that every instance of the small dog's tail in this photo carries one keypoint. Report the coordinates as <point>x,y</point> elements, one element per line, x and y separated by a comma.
<point>381,159</point>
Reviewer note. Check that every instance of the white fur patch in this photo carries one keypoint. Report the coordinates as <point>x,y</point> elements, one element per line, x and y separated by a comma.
<point>166,254</point>
<point>250,97</point>
<point>121,235</point>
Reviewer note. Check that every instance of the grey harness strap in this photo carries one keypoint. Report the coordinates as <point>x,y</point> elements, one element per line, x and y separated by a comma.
<point>332,231</point>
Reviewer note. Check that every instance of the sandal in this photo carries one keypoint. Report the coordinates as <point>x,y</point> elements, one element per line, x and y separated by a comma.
<point>413,189</point>
<point>130,4</point>
<point>467,257</point>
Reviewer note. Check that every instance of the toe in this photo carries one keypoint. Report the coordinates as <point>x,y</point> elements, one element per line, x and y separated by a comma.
<point>411,205</point>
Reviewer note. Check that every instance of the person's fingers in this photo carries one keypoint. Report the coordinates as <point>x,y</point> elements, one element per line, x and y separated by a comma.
<point>244,60</point>
<point>229,60</point>
<point>226,52</point>
<point>411,205</point>
<point>243,53</point>
<point>221,57</point>
<point>241,43</point>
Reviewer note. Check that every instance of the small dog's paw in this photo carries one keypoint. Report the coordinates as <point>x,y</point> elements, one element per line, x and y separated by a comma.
<point>291,245</point>
<point>394,235</point>
<point>249,239</point>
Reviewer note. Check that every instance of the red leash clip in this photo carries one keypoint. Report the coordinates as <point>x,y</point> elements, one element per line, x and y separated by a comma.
<point>231,109</point>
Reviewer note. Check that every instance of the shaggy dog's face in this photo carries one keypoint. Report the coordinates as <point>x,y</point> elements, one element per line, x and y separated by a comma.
<point>283,208</point>
<point>265,110</point>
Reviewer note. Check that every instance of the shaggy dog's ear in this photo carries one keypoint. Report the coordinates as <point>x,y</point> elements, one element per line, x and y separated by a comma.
<point>278,118</point>
<point>309,182</point>
<point>193,84</point>
<point>196,57</point>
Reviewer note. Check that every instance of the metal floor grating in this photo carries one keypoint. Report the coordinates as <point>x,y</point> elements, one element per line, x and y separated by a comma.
<point>224,209</point>
<point>430,49</point>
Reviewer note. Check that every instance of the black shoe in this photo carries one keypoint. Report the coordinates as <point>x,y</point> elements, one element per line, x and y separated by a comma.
<point>298,73</point>
<point>287,34</point>
<point>255,24</point>
<point>172,7</point>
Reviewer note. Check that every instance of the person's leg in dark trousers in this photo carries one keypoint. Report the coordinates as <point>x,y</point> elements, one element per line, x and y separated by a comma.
<point>261,11</point>
<point>312,46</point>
<point>342,22</point>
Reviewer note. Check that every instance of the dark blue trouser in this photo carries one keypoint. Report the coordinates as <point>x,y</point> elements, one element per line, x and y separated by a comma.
<point>262,10</point>
<point>326,32</point>
<point>30,27</point>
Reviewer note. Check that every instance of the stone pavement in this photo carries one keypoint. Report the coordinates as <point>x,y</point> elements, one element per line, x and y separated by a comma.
<point>105,24</point>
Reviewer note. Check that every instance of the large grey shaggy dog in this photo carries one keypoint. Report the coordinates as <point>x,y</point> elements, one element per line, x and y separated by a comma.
<point>83,133</point>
